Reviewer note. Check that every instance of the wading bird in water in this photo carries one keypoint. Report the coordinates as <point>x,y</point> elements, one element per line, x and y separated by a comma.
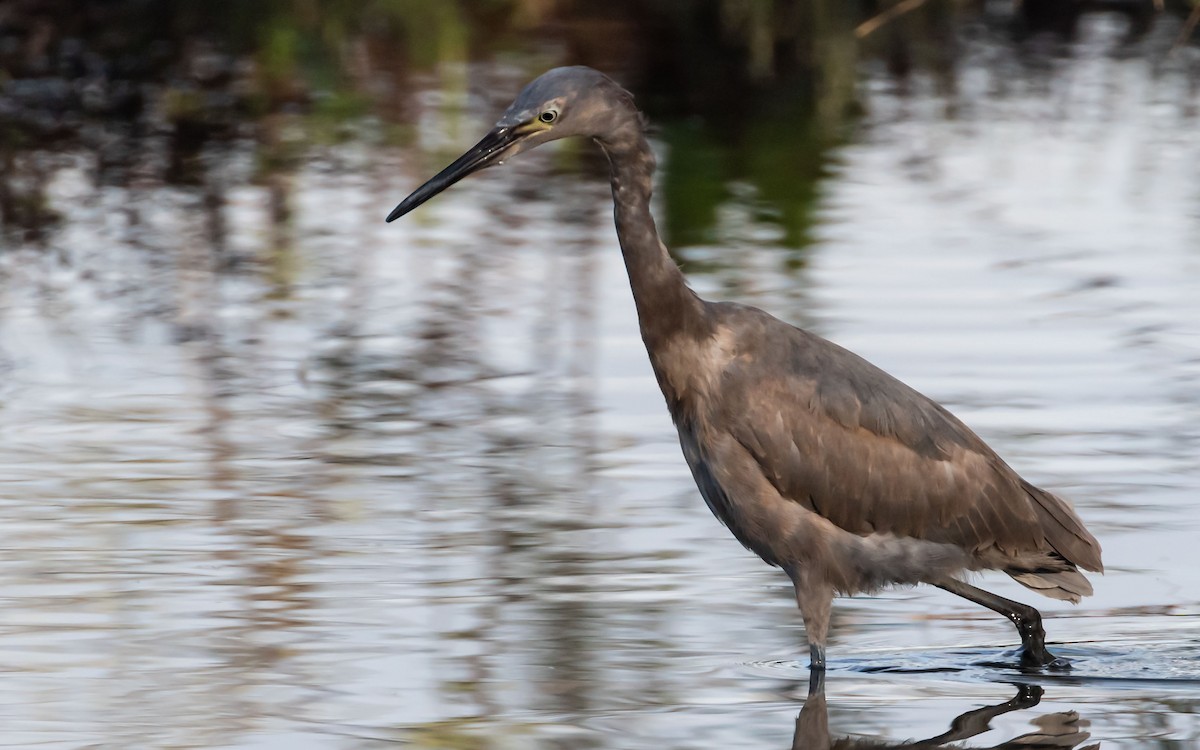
<point>818,461</point>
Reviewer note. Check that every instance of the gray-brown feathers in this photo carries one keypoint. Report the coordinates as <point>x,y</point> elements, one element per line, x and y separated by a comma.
<point>1066,585</point>
<point>813,456</point>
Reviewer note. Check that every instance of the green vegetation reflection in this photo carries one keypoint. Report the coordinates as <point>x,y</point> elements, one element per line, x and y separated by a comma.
<point>770,170</point>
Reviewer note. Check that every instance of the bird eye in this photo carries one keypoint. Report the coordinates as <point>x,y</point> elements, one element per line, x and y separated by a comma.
<point>548,116</point>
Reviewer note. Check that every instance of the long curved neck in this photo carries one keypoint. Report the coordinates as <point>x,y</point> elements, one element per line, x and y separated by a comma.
<point>666,306</point>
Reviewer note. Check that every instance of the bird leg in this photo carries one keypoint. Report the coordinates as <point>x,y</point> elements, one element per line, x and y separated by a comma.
<point>816,600</point>
<point>816,656</point>
<point>1027,619</point>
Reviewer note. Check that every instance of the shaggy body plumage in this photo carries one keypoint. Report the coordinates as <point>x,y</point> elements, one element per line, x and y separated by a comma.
<point>818,461</point>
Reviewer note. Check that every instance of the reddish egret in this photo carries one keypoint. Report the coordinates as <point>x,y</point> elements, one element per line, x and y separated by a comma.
<point>818,461</point>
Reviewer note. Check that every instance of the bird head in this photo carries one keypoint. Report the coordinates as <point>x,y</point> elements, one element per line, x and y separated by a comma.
<point>560,103</point>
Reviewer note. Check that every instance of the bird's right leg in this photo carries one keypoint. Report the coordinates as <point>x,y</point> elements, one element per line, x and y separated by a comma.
<point>815,598</point>
<point>1027,619</point>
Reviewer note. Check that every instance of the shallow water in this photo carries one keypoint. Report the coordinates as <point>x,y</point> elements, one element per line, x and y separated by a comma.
<point>414,483</point>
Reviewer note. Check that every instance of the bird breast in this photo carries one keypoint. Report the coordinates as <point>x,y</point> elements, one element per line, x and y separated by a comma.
<point>689,370</point>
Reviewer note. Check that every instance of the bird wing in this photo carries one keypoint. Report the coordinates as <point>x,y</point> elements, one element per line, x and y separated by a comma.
<point>851,443</point>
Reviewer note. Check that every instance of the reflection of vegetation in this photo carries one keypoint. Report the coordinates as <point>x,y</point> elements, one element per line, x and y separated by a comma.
<point>780,152</point>
<point>785,161</point>
<point>694,181</point>
<point>773,82</point>
<point>24,207</point>
<point>774,132</point>
<point>449,735</point>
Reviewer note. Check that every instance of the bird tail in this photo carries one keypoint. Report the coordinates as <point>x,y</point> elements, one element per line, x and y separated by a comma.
<point>1056,576</point>
<point>1067,585</point>
<point>1064,531</point>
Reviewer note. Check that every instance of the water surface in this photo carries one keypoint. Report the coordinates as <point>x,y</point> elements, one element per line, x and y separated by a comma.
<point>363,484</point>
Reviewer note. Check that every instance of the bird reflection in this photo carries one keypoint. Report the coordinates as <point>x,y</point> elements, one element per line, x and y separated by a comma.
<point>1054,730</point>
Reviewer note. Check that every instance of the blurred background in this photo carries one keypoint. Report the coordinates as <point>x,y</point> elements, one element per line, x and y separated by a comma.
<point>277,475</point>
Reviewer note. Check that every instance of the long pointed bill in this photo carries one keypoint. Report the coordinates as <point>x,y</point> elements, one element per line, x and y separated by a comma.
<point>482,154</point>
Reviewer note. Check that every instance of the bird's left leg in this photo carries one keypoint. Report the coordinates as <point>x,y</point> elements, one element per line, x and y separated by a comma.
<point>1027,619</point>
<point>815,597</point>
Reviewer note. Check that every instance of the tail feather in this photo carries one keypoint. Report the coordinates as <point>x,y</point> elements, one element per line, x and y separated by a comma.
<point>1064,530</point>
<point>1055,575</point>
<point>1067,585</point>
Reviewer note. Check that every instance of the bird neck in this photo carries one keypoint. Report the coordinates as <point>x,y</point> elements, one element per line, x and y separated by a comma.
<point>666,306</point>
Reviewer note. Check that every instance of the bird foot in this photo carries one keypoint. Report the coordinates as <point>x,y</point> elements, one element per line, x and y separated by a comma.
<point>1036,656</point>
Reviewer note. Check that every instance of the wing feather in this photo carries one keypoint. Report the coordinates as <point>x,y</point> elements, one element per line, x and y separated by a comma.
<point>846,440</point>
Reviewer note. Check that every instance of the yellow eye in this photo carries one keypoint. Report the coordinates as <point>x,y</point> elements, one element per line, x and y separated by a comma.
<point>548,116</point>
